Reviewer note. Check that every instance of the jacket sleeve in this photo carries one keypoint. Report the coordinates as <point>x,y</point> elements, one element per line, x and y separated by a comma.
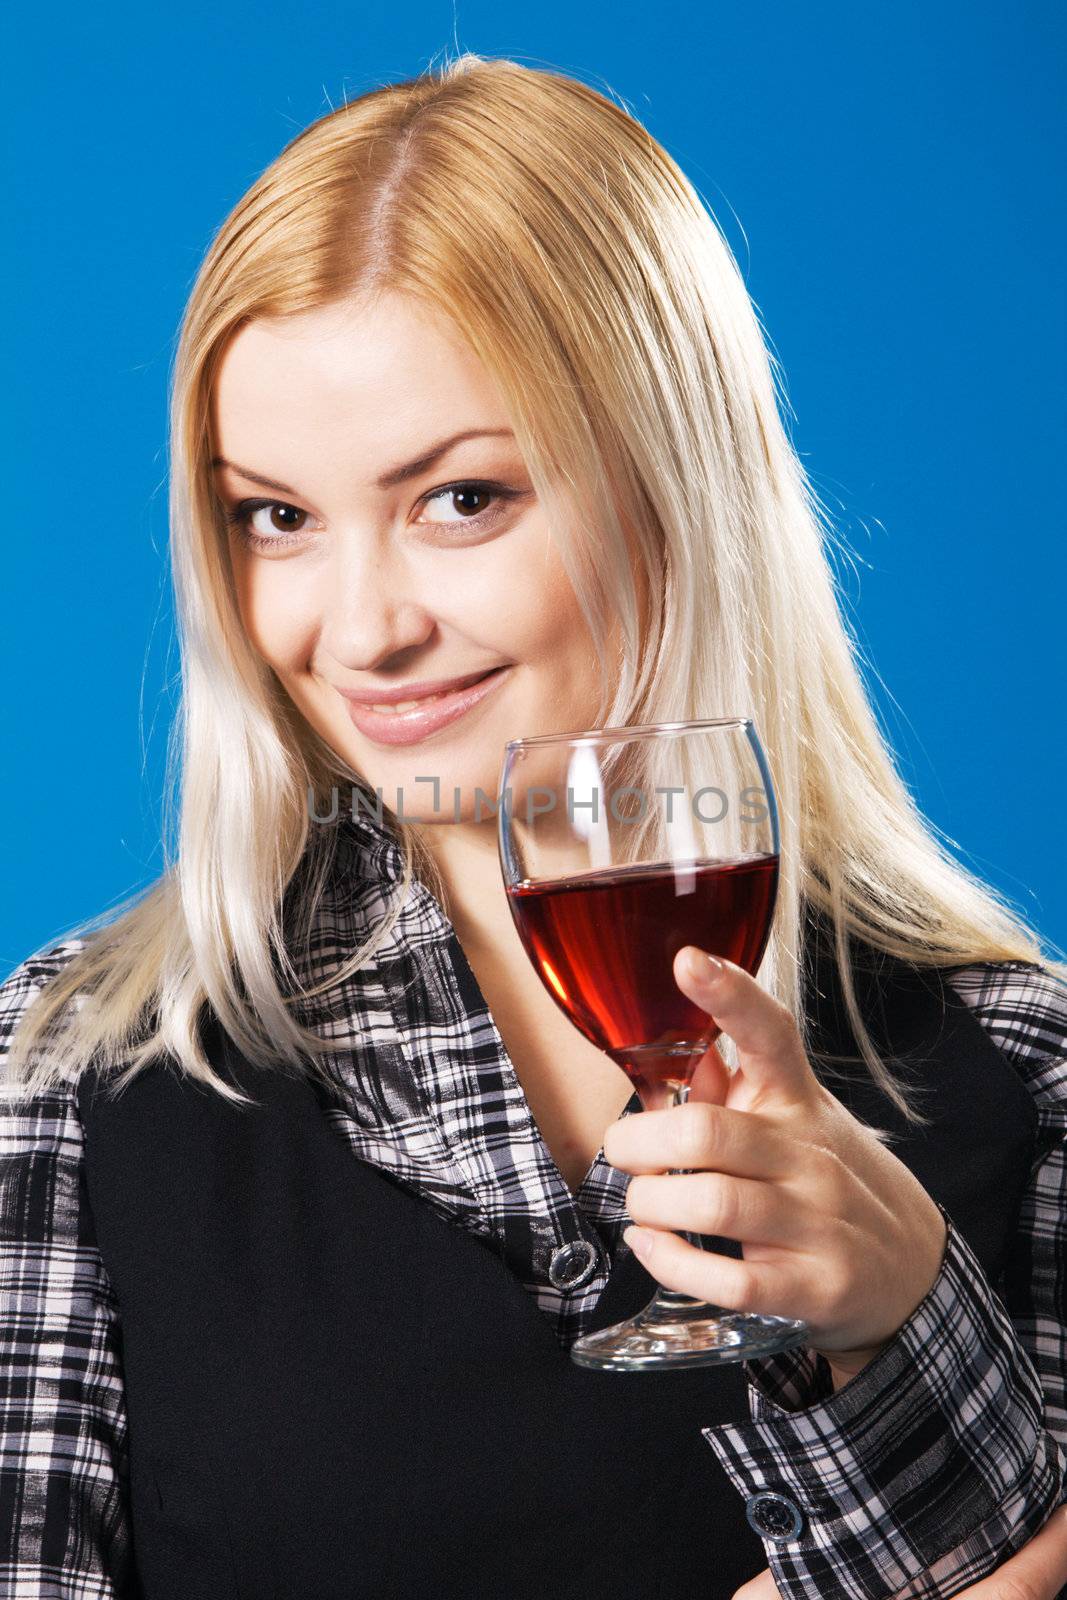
<point>64,1529</point>
<point>948,1451</point>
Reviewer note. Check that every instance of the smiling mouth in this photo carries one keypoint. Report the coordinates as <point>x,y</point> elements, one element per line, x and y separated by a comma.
<point>407,721</point>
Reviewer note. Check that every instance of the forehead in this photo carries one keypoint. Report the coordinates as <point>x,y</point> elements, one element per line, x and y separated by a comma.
<point>381,377</point>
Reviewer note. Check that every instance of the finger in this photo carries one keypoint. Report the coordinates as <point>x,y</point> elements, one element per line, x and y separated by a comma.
<point>762,1587</point>
<point>706,1275</point>
<point>700,1135</point>
<point>716,1203</point>
<point>770,1053</point>
<point>1038,1570</point>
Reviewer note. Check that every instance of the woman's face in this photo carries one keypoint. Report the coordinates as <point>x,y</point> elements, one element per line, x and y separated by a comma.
<point>388,553</point>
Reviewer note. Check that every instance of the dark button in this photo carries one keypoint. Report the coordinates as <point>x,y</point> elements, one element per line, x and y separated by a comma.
<point>774,1516</point>
<point>572,1264</point>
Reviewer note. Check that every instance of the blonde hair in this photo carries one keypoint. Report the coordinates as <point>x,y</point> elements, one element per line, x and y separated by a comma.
<point>645,402</point>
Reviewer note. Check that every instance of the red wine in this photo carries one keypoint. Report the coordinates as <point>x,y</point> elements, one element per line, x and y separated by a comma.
<point>604,944</point>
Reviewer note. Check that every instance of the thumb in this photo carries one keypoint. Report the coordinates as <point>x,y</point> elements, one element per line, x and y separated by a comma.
<point>773,1063</point>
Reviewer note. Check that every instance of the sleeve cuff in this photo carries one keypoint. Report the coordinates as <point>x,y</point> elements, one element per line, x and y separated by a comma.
<point>791,1381</point>
<point>912,1458</point>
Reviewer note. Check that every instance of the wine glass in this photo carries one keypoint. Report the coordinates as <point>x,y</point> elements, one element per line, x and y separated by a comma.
<point>619,846</point>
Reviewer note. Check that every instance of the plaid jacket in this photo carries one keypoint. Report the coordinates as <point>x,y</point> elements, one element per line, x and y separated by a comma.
<point>967,1403</point>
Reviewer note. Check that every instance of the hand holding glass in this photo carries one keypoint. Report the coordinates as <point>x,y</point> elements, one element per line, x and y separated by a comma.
<point>618,847</point>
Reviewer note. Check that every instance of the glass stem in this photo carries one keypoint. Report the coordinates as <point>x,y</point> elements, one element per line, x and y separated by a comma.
<point>664,1299</point>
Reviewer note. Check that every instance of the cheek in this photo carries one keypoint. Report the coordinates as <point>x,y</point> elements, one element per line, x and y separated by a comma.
<point>521,597</point>
<point>535,628</point>
<point>277,616</point>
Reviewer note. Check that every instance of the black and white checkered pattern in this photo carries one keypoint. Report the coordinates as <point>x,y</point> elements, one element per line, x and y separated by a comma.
<point>966,1408</point>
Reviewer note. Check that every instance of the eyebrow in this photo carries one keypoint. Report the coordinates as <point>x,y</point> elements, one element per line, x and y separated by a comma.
<point>395,475</point>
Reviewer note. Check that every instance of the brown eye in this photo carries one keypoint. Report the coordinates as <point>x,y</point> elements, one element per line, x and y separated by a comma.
<point>283,518</point>
<point>470,500</point>
<point>285,524</point>
<point>462,498</point>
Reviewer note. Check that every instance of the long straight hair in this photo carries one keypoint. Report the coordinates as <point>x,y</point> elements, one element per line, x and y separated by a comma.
<point>565,244</point>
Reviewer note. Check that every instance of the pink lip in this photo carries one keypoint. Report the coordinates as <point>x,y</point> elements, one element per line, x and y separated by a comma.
<point>408,727</point>
<point>411,691</point>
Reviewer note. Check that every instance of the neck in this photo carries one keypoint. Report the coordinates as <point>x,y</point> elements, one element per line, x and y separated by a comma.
<point>468,860</point>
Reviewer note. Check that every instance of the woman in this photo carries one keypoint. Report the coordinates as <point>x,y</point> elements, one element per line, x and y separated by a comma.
<point>469,389</point>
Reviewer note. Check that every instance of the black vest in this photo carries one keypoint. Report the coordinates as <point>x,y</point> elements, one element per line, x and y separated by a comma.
<point>332,1393</point>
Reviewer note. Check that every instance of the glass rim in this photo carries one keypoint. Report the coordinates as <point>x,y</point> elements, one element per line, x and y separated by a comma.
<point>632,730</point>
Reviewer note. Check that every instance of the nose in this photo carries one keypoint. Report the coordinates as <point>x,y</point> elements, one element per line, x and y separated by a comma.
<point>373,605</point>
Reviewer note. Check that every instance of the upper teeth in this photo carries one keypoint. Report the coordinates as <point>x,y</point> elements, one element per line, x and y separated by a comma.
<point>407,705</point>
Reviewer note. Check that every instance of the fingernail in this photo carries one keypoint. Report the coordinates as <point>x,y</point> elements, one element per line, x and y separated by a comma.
<point>705,968</point>
<point>639,1241</point>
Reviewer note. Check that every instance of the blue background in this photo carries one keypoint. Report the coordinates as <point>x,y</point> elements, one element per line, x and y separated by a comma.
<point>890,180</point>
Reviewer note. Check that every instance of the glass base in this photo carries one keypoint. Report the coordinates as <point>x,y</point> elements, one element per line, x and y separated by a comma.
<point>676,1331</point>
